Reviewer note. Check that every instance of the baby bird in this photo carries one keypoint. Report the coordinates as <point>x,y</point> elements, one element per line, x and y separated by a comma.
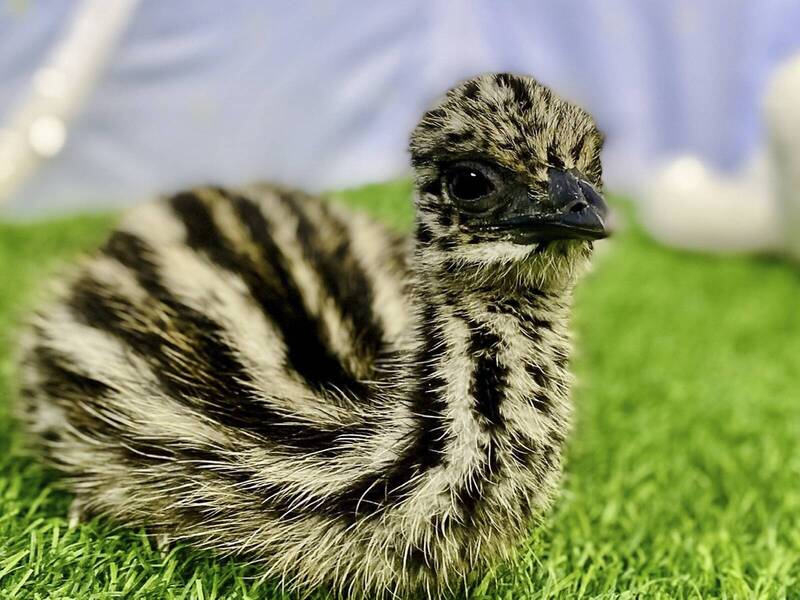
<point>263,374</point>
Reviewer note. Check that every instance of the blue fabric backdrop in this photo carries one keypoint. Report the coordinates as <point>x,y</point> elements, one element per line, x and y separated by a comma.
<point>322,94</point>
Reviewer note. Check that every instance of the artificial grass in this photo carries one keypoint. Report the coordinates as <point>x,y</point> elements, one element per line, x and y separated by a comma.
<point>683,472</point>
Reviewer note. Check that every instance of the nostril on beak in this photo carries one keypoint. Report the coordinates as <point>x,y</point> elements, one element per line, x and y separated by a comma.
<point>578,206</point>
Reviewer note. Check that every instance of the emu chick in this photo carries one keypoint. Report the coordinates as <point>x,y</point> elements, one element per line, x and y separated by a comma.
<point>263,374</point>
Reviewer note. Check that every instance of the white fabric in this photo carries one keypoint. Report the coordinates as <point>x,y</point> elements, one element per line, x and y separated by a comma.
<point>757,209</point>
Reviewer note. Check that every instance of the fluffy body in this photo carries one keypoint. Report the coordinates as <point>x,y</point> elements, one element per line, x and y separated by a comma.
<point>266,374</point>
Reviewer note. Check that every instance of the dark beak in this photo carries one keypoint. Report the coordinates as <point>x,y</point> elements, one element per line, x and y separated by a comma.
<point>571,209</point>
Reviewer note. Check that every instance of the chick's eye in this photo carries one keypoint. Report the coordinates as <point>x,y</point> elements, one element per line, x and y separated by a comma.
<point>467,184</point>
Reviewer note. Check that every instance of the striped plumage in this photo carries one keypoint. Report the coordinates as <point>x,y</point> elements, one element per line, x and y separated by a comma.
<point>261,373</point>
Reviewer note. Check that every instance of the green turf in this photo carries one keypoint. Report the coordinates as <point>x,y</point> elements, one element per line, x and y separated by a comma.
<point>683,473</point>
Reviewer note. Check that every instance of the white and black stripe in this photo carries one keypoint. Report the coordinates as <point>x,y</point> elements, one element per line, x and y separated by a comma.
<point>265,374</point>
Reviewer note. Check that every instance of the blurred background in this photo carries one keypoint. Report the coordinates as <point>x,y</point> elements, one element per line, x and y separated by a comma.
<point>683,469</point>
<point>105,103</point>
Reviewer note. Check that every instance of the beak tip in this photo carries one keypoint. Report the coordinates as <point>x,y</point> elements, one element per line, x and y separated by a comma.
<point>581,212</point>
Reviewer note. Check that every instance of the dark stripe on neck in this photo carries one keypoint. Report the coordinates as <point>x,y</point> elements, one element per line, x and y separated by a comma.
<point>327,249</point>
<point>271,284</point>
<point>539,459</point>
<point>540,400</point>
<point>489,379</point>
<point>472,495</point>
<point>488,390</point>
<point>424,449</point>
